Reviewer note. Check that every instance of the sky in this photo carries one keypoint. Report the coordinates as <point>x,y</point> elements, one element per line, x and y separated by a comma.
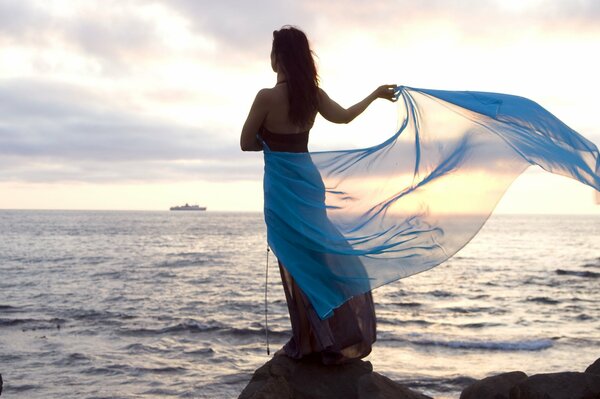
<point>139,105</point>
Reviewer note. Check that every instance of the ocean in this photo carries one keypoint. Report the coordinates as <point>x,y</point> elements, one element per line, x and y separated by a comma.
<point>124,304</point>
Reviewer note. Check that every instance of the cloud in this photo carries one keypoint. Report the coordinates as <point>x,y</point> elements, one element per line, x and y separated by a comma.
<point>244,26</point>
<point>484,21</point>
<point>53,132</point>
<point>63,127</point>
<point>115,34</point>
<point>121,34</point>
<point>38,170</point>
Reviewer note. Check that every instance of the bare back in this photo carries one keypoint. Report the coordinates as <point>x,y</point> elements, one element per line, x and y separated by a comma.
<point>277,119</point>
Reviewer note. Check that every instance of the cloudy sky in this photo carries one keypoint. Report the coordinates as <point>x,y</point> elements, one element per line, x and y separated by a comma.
<point>139,104</point>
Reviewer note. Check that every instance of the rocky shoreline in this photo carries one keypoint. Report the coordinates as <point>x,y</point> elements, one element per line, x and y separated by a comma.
<point>282,378</point>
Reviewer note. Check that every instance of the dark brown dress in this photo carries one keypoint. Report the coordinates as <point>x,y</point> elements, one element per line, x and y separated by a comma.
<point>347,335</point>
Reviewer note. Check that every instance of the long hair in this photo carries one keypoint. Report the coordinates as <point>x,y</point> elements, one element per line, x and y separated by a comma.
<point>293,55</point>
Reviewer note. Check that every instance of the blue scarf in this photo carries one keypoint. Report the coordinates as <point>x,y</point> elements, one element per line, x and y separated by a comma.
<point>345,222</point>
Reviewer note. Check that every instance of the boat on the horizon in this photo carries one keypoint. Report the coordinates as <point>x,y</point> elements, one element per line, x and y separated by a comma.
<point>188,207</point>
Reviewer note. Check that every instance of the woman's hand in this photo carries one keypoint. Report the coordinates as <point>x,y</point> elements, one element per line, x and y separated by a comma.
<point>386,91</point>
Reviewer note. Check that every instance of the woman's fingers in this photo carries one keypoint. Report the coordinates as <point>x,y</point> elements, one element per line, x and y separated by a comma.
<point>387,92</point>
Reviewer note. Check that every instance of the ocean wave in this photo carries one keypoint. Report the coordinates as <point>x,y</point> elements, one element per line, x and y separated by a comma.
<point>191,326</point>
<point>182,262</point>
<point>190,254</point>
<point>441,293</point>
<point>398,293</point>
<point>119,369</point>
<point>201,351</point>
<point>492,345</point>
<point>406,304</point>
<point>543,299</point>
<point>159,370</point>
<point>199,281</point>
<point>257,332</point>
<point>475,310</point>
<point>19,388</point>
<point>9,357</point>
<point>94,260</point>
<point>578,273</point>
<point>109,274</point>
<point>594,263</point>
<point>32,324</point>
<point>451,384</point>
<point>98,315</point>
<point>10,309</point>
<point>40,259</point>
<point>480,325</point>
<point>399,322</point>
<point>72,359</point>
<point>141,348</point>
<point>160,392</point>
<point>165,274</point>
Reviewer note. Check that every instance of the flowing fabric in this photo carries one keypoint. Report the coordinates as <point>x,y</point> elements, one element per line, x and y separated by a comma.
<point>350,332</point>
<point>346,222</point>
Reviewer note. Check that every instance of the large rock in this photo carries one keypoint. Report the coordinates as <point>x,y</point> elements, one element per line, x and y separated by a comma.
<point>494,387</point>
<point>282,377</point>
<point>567,385</point>
<point>594,368</point>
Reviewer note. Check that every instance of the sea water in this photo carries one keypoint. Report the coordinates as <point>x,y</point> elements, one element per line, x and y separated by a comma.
<point>120,304</point>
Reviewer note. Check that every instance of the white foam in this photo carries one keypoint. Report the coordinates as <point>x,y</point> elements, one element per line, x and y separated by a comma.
<point>534,344</point>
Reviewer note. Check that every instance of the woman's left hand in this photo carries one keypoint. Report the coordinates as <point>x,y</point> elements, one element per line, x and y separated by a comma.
<point>386,91</point>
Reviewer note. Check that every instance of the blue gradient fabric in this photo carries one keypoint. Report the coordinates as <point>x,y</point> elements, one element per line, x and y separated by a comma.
<point>345,222</point>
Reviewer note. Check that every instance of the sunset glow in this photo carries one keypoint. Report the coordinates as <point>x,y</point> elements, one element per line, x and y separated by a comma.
<point>140,105</point>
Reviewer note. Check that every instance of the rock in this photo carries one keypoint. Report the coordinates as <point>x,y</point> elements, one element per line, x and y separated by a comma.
<point>566,385</point>
<point>594,368</point>
<point>494,387</point>
<point>282,377</point>
<point>377,386</point>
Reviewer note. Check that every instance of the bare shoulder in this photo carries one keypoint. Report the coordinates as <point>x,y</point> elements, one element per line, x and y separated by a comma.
<point>264,95</point>
<point>322,94</point>
<point>322,97</point>
<point>263,100</point>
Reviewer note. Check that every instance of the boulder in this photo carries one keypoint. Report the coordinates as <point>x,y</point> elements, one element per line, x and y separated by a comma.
<point>594,368</point>
<point>566,385</point>
<point>282,377</point>
<point>377,386</point>
<point>494,387</point>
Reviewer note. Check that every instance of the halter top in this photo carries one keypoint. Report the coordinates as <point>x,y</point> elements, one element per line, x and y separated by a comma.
<point>292,142</point>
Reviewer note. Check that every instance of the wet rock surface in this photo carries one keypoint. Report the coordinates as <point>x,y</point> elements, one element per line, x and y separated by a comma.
<point>282,377</point>
<point>517,385</point>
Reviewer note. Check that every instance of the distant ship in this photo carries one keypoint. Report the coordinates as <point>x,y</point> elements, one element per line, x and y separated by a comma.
<point>187,207</point>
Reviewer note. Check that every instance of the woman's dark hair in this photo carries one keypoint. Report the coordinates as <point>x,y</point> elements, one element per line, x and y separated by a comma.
<point>294,57</point>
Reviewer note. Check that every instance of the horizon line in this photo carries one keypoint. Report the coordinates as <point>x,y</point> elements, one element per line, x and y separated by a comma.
<point>260,211</point>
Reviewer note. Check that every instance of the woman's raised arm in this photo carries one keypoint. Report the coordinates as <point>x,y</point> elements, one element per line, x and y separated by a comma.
<point>335,113</point>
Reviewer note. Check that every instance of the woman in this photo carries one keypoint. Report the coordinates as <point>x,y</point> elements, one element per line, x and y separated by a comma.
<point>281,118</point>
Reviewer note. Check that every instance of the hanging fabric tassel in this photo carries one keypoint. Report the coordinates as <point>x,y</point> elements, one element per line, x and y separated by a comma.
<point>266,285</point>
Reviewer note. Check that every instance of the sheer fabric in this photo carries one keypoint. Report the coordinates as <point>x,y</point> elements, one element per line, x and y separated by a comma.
<point>351,331</point>
<point>348,334</point>
<point>346,222</point>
